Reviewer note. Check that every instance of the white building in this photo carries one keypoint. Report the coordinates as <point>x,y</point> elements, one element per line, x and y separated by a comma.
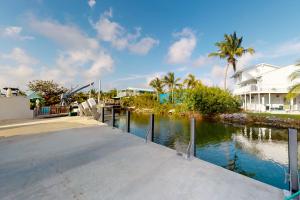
<point>264,87</point>
<point>130,91</point>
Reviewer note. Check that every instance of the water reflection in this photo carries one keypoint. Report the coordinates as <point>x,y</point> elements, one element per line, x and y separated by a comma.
<point>257,152</point>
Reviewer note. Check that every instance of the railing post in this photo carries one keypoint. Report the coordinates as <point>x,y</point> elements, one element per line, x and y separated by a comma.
<point>151,128</point>
<point>113,116</point>
<point>293,160</point>
<point>128,121</point>
<point>192,138</point>
<point>102,114</point>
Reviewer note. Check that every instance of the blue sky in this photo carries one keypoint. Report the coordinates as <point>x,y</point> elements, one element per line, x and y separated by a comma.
<point>127,43</point>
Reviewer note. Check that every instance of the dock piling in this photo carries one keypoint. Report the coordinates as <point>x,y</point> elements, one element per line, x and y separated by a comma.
<point>152,127</point>
<point>128,121</point>
<point>102,114</point>
<point>293,160</point>
<point>113,116</point>
<point>192,150</point>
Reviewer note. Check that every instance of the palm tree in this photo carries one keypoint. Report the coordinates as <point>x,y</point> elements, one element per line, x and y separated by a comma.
<point>230,49</point>
<point>190,81</point>
<point>158,85</point>
<point>172,82</point>
<point>296,87</point>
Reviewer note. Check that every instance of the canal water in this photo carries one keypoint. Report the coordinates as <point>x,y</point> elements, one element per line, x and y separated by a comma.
<point>257,152</point>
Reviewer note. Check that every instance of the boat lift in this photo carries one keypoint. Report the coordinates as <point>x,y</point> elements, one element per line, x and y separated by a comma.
<point>66,97</point>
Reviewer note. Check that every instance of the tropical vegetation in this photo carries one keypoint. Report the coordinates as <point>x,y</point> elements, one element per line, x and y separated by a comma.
<point>158,85</point>
<point>171,82</point>
<point>48,90</point>
<point>230,49</point>
<point>295,89</point>
<point>193,97</point>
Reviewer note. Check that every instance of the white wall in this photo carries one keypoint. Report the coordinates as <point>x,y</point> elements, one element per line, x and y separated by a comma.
<point>16,107</point>
<point>278,78</point>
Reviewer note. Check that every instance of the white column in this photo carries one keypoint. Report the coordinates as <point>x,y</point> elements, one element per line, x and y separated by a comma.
<point>292,103</point>
<point>245,101</point>
<point>269,101</point>
<point>250,101</point>
<point>263,102</point>
<point>259,102</point>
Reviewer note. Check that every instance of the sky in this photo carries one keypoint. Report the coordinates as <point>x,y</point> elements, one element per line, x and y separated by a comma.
<point>128,43</point>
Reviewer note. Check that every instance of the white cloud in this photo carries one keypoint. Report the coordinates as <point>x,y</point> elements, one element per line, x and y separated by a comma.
<point>68,36</point>
<point>202,61</point>
<point>291,47</point>
<point>181,50</point>
<point>248,59</point>
<point>217,71</point>
<point>132,80</point>
<point>15,32</point>
<point>143,46</point>
<point>81,56</point>
<point>92,3</point>
<point>120,38</point>
<point>103,62</point>
<point>181,69</point>
<point>216,77</point>
<point>16,68</point>
<point>19,56</point>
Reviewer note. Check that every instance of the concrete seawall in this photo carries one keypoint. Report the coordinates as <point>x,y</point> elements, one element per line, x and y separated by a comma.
<point>104,163</point>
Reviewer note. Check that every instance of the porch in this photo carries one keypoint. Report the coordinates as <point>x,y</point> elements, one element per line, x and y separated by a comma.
<point>270,102</point>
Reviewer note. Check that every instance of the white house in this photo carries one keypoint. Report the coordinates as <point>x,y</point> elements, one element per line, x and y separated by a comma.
<point>130,91</point>
<point>264,87</point>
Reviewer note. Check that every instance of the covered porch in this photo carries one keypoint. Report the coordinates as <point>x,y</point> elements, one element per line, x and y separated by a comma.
<point>269,102</point>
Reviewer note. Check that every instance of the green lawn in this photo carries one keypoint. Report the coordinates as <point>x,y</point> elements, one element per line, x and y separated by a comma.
<point>283,116</point>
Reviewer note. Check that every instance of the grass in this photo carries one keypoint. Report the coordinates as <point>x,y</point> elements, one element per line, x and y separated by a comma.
<point>277,115</point>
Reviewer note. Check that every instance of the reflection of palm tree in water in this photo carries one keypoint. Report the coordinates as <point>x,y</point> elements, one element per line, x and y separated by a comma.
<point>232,164</point>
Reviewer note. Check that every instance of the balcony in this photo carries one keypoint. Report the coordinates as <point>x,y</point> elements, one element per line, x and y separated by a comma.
<point>245,89</point>
<point>263,89</point>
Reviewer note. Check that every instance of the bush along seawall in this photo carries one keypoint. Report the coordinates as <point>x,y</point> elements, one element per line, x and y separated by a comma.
<point>205,102</point>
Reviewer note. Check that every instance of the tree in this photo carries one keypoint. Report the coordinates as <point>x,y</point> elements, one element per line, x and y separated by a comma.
<point>109,94</point>
<point>172,82</point>
<point>49,90</point>
<point>230,49</point>
<point>158,85</point>
<point>190,81</point>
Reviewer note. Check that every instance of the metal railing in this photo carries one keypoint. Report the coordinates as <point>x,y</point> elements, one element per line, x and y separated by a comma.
<point>51,110</point>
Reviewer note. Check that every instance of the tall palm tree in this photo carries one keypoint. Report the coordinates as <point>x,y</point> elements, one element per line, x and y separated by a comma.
<point>190,81</point>
<point>158,85</point>
<point>230,49</point>
<point>172,82</point>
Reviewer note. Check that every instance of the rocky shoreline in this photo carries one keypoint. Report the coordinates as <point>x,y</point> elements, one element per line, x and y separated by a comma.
<point>244,118</point>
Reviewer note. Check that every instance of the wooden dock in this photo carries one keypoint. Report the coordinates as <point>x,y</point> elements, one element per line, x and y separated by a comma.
<point>105,163</point>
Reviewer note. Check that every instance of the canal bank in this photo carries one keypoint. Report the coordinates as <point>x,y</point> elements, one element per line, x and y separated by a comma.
<point>259,152</point>
<point>105,163</point>
<point>264,119</point>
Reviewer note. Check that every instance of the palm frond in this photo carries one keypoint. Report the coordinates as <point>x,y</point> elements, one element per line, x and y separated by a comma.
<point>294,75</point>
<point>294,91</point>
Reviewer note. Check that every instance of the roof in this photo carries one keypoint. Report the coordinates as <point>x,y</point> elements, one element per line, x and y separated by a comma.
<point>34,96</point>
<point>252,67</point>
<point>12,88</point>
<point>140,89</point>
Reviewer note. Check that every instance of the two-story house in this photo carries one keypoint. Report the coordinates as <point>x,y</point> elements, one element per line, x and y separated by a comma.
<point>264,87</point>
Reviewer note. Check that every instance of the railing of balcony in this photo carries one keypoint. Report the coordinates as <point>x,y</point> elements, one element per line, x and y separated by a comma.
<point>256,88</point>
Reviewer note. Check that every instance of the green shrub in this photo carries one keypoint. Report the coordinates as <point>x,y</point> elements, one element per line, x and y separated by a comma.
<point>211,100</point>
